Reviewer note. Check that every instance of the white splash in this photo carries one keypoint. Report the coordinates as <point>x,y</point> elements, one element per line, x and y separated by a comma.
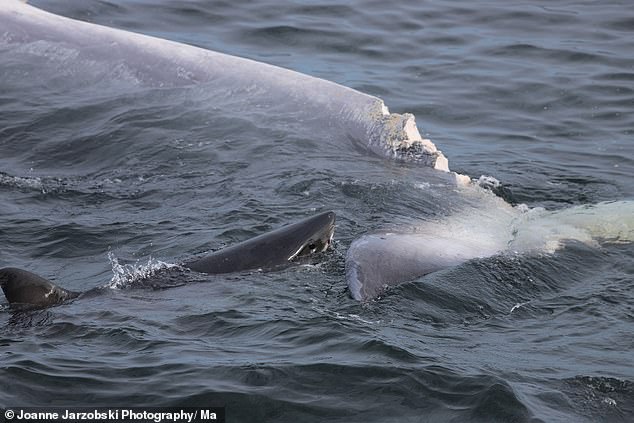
<point>123,275</point>
<point>517,306</point>
<point>22,182</point>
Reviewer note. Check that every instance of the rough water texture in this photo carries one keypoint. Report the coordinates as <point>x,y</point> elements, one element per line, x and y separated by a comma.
<point>108,181</point>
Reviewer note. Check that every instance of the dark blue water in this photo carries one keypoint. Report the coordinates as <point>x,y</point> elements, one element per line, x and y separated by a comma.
<point>103,179</point>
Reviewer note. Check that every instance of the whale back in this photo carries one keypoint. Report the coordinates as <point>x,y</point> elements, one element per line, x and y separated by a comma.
<point>72,56</point>
<point>272,249</point>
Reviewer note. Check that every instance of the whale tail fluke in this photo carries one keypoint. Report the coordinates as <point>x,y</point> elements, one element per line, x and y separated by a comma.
<point>24,289</point>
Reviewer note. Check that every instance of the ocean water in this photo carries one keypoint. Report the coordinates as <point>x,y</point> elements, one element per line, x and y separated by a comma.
<point>104,180</point>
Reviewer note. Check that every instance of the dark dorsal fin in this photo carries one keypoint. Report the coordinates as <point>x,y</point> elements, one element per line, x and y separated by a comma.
<point>23,288</point>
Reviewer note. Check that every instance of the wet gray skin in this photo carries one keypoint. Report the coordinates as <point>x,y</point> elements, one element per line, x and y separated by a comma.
<point>272,249</point>
<point>268,251</point>
<point>22,287</point>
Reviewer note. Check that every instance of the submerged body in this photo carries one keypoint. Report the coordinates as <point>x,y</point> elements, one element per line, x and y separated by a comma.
<point>377,261</point>
<point>267,251</point>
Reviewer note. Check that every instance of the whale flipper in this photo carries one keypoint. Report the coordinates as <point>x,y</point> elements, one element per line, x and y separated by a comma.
<point>22,287</point>
<point>272,249</point>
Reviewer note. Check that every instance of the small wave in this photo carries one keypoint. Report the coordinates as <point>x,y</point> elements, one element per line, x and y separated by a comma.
<point>125,275</point>
<point>518,306</point>
<point>324,311</point>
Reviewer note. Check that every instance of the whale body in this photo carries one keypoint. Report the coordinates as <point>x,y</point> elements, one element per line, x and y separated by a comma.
<point>272,249</point>
<point>377,261</point>
<point>83,53</point>
<point>80,50</point>
<point>268,251</point>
